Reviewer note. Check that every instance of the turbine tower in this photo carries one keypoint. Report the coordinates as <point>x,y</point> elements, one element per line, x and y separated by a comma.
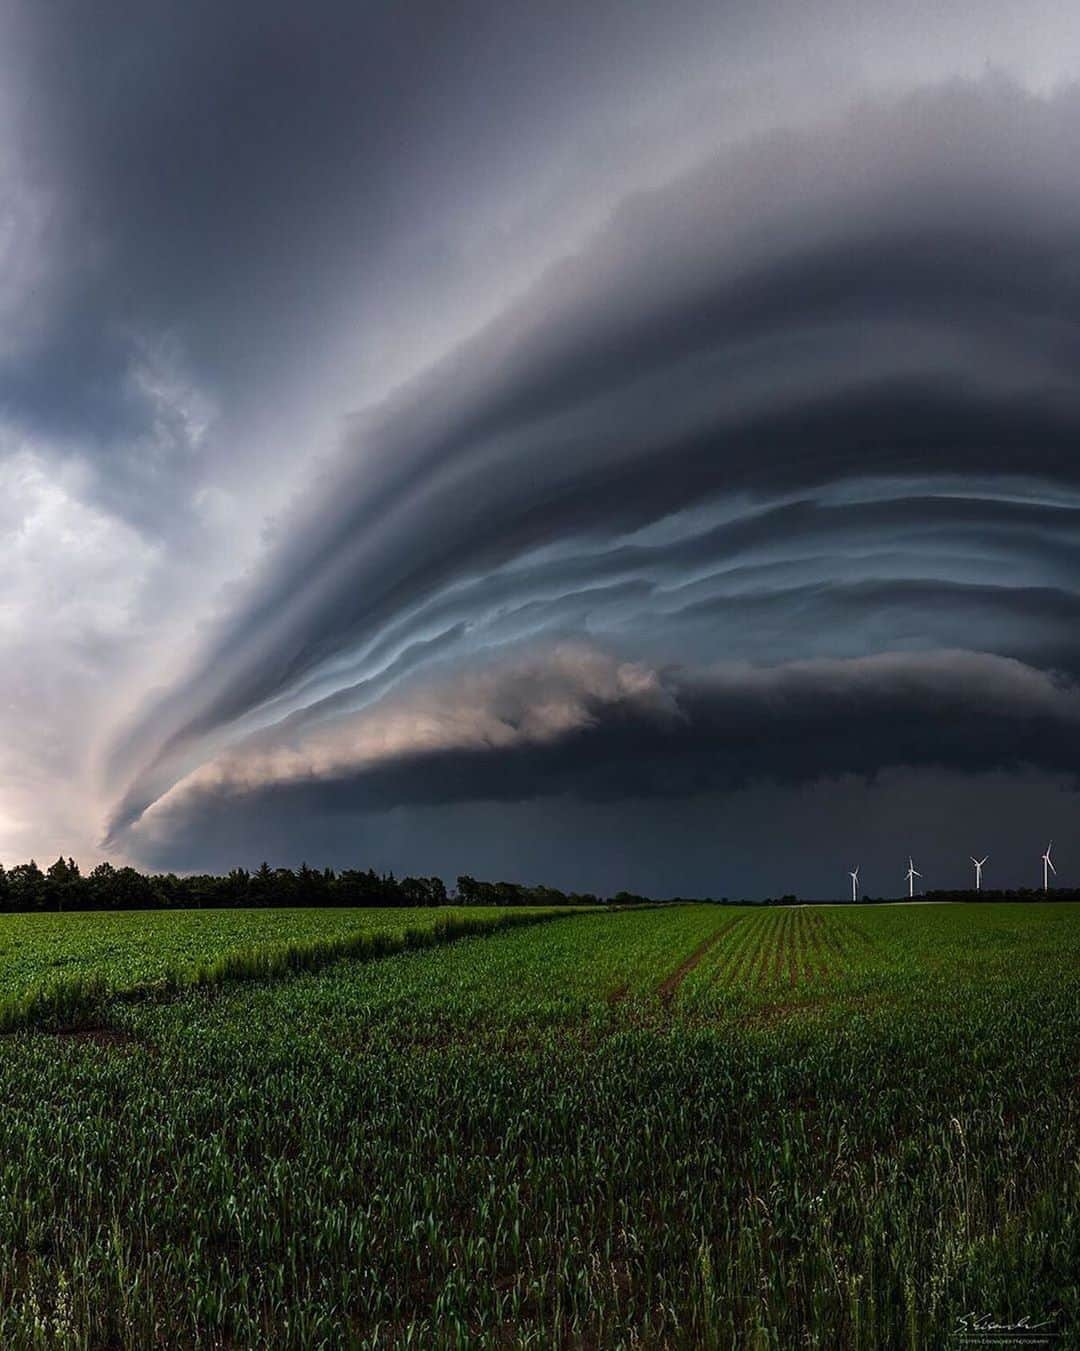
<point>911,876</point>
<point>854,884</point>
<point>978,870</point>
<point>1048,867</point>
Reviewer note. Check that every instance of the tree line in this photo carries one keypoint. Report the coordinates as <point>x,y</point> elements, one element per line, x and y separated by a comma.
<point>1010,894</point>
<point>63,886</point>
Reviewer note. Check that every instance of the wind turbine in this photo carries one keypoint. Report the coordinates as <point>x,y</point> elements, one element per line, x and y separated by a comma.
<point>911,876</point>
<point>854,884</point>
<point>978,870</point>
<point>1048,863</point>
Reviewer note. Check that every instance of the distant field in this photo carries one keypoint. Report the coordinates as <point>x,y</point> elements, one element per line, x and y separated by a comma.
<point>131,946</point>
<point>694,1127</point>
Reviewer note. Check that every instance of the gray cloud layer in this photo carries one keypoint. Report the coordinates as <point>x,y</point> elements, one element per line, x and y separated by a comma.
<point>576,723</point>
<point>577,713</point>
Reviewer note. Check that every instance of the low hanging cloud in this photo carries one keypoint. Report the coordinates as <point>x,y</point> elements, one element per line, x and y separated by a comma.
<point>575,721</point>
<point>818,334</point>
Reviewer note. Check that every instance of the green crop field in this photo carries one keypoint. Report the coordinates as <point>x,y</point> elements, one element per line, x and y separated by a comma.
<point>126,947</point>
<point>686,1127</point>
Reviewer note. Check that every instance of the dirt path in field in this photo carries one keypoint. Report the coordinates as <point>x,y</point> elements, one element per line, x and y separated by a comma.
<point>669,986</point>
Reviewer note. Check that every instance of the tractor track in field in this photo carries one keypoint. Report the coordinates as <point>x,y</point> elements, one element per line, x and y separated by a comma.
<point>669,986</point>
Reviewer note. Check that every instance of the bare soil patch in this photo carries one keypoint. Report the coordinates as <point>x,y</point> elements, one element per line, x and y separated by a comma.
<point>103,1038</point>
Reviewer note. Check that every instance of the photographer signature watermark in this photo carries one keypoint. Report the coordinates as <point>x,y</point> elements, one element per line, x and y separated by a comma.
<point>983,1329</point>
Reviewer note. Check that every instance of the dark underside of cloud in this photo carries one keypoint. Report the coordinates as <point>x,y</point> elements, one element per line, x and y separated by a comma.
<point>816,399</point>
<point>630,757</point>
<point>575,725</point>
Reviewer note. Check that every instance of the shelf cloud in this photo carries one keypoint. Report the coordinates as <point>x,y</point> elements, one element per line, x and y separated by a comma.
<point>576,722</point>
<point>466,458</point>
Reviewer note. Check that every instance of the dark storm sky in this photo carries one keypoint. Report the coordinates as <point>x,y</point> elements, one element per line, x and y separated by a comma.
<point>616,445</point>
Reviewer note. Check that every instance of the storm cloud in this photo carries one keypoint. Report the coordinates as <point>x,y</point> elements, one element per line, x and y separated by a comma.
<point>517,407</point>
<point>577,720</point>
<point>575,724</point>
